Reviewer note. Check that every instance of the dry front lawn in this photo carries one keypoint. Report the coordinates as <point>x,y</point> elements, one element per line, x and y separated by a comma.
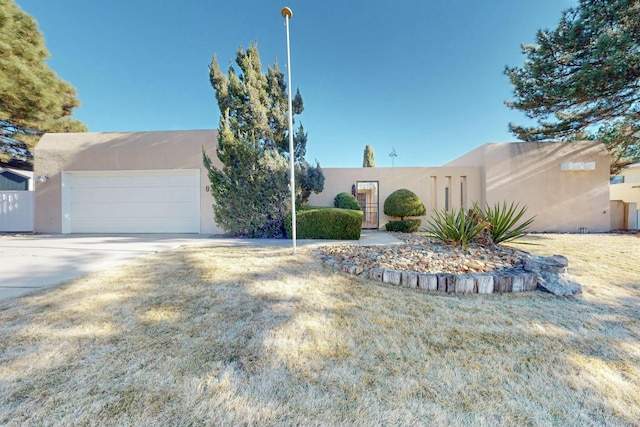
<point>254,336</point>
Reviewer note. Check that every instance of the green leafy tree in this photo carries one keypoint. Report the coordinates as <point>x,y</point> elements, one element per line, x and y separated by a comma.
<point>584,75</point>
<point>251,189</point>
<point>369,160</point>
<point>33,99</point>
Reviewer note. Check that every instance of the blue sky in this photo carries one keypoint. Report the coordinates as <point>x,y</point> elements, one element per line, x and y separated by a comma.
<point>424,77</point>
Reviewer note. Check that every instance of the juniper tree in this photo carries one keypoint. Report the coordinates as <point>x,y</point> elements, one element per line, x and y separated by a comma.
<point>33,99</point>
<point>251,190</point>
<point>368,160</point>
<point>584,77</point>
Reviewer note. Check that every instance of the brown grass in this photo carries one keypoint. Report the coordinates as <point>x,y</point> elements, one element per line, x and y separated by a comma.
<point>248,336</point>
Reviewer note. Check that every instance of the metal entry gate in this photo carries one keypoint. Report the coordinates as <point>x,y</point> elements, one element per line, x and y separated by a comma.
<point>367,195</point>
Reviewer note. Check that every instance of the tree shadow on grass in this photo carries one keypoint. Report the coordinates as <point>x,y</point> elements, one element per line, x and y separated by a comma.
<point>240,336</point>
<point>126,345</point>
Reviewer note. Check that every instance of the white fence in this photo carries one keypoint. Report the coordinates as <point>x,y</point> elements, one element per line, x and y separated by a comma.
<point>16,211</point>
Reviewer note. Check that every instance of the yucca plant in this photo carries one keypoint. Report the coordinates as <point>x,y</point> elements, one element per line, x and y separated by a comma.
<point>456,226</point>
<point>503,220</point>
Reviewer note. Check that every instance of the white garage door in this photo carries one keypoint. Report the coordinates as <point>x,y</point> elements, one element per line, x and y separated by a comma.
<point>160,201</point>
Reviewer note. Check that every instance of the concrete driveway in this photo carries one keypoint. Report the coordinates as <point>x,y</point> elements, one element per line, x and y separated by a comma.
<point>31,262</point>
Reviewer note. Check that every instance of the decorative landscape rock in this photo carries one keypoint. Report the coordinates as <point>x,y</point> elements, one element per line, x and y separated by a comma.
<point>552,274</point>
<point>429,266</point>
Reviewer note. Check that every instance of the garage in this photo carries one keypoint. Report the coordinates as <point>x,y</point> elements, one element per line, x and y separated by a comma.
<point>125,201</point>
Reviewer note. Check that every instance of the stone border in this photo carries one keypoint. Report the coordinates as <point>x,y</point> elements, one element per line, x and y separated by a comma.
<point>545,273</point>
<point>477,283</point>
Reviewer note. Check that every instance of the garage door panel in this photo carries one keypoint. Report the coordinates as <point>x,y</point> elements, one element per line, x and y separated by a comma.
<point>136,180</point>
<point>137,210</point>
<point>143,194</point>
<point>163,201</point>
<point>115,225</point>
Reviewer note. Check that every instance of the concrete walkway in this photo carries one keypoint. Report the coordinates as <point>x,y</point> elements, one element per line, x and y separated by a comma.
<point>32,262</point>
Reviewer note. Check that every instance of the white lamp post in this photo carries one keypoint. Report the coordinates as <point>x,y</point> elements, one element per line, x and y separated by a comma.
<point>287,14</point>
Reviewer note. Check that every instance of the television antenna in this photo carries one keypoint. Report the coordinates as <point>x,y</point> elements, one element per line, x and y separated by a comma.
<point>393,155</point>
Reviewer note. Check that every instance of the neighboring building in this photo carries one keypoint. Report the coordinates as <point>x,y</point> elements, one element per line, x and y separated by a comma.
<point>625,198</point>
<point>155,182</point>
<point>15,180</point>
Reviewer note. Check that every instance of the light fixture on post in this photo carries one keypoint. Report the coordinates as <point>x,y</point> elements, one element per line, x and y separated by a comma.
<point>287,14</point>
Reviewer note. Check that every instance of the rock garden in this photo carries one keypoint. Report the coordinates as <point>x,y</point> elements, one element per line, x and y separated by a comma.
<point>460,251</point>
<point>424,263</point>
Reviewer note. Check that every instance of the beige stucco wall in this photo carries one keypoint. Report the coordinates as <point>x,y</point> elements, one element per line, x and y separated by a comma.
<point>56,153</point>
<point>530,174</point>
<point>617,214</point>
<point>428,183</point>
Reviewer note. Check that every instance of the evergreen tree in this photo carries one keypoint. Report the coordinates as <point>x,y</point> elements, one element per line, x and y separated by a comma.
<point>584,75</point>
<point>251,190</point>
<point>368,161</point>
<point>33,99</point>
<point>614,135</point>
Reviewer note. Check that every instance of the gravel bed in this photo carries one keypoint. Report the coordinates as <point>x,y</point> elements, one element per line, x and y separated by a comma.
<point>424,255</point>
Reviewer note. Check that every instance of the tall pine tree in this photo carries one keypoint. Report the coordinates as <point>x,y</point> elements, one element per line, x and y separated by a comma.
<point>251,190</point>
<point>584,77</point>
<point>33,99</point>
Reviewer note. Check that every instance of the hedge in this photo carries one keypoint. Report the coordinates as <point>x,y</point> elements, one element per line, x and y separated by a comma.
<point>326,223</point>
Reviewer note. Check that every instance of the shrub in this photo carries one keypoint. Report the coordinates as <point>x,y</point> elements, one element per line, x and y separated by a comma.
<point>402,203</point>
<point>502,221</point>
<point>456,226</point>
<point>346,201</point>
<point>495,224</point>
<point>311,208</point>
<point>404,226</point>
<point>327,223</point>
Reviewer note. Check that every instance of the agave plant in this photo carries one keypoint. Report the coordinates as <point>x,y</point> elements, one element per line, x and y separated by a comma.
<point>457,226</point>
<point>503,220</point>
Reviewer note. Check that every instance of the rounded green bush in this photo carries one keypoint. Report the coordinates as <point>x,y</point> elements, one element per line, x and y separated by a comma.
<point>403,203</point>
<point>404,226</point>
<point>346,201</point>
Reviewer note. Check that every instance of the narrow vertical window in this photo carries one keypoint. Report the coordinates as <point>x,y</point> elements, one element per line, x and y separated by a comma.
<point>463,192</point>
<point>434,194</point>
<point>447,194</point>
<point>446,198</point>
